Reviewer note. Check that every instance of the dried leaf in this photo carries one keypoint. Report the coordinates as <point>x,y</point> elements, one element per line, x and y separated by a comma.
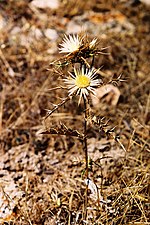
<point>63,130</point>
<point>111,92</point>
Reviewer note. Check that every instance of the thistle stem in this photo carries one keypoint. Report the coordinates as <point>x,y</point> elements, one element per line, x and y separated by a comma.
<point>86,157</point>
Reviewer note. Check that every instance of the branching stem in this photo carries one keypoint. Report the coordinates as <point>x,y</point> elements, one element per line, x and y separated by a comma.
<point>50,112</point>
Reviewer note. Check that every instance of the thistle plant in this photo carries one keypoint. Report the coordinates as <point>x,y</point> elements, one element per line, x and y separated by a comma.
<point>81,82</point>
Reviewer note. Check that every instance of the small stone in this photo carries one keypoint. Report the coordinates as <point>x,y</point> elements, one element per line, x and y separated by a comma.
<point>51,34</point>
<point>74,28</point>
<point>53,4</point>
<point>36,32</point>
<point>15,30</point>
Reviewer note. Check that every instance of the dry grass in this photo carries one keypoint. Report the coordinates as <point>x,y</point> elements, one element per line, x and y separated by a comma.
<point>48,169</point>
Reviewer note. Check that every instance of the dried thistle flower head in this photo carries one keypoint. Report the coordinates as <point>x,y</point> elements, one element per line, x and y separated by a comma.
<point>82,82</point>
<point>76,49</point>
<point>70,44</point>
<point>73,43</point>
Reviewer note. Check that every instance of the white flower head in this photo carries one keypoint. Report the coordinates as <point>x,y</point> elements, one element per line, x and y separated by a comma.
<point>82,82</point>
<point>70,44</point>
